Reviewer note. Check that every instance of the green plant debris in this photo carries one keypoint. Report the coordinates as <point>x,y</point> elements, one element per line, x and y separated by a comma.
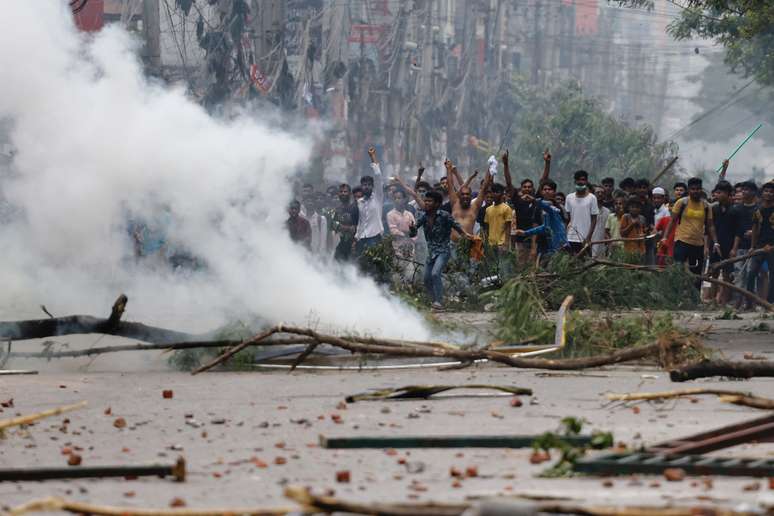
<point>729,314</point>
<point>569,427</point>
<point>190,359</point>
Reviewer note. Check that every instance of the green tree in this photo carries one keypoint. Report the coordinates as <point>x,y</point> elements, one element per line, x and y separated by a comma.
<point>581,135</point>
<point>744,27</point>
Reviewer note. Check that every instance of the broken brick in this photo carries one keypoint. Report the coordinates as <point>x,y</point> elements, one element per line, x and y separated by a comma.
<point>674,474</point>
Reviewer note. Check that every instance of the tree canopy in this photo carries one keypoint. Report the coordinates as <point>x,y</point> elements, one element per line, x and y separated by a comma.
<point>581,135</point>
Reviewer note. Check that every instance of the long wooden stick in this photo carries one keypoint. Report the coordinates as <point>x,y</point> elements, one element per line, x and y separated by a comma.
<point>640,396</point>
<point>624,355</point>
<point>30,418</point>
<point>154,347</point>
<point>60,504</point>
<point>622,239</point>
<point>665,170</point>
<point>729,261</point>
<point>737,398</point>
<point>239,347</point>
<point>329,504</point>
<point>709,368</point>
<point>753,297</point>
<point>749,401</point>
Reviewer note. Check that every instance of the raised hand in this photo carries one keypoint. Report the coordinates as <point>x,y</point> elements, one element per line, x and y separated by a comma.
<point>546,155</point>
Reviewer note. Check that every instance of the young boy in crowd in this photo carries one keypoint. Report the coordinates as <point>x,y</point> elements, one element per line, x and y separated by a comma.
<point>613,224</point>
<point>634,225</point>
<point>660,208</point>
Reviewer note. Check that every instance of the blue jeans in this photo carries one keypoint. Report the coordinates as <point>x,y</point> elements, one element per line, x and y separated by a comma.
<point>436,263</point>
<point>367,243</point>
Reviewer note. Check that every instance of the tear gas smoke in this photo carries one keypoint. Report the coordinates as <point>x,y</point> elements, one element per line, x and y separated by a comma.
<point>97,145</point>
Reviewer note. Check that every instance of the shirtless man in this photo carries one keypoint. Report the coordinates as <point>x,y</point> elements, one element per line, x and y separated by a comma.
<point>464,207</point>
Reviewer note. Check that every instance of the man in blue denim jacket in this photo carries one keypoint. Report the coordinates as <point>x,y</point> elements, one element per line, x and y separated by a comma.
<point>438,225</point>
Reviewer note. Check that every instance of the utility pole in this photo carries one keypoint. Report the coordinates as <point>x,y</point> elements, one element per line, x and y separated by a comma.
<point>267,24</point>
<point>424,84</point>
<point>151,25</point>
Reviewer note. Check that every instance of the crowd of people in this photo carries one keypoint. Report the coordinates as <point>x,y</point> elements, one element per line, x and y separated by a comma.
<point>633,220</point>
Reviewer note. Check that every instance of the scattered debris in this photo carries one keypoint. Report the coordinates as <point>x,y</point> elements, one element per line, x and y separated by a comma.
<point>31,418</point>
<point>570,451</point>
<point>176,471</point>
<point>708,368</point>
<point>674,474</point>
<point>735,397</point>
<point>60,504</point>
<point>656,464</point>
<point>462,441</point>
<point>425,391</point>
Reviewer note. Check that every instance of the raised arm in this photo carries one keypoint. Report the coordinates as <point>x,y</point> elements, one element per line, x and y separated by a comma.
<point>470,179</point>
<point>410,191</point>
<point>452,176</point>
<point>458,182</point>
<point>546,167</point>
<point>420,171</point>
<point>724,170</point>
<point>378,180</point>
<point>476,204</point>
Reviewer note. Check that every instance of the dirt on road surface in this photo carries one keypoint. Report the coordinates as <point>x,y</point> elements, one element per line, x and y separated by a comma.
<point>248,435</point>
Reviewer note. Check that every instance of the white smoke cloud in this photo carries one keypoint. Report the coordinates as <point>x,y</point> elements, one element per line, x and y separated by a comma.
<point>94,139</point>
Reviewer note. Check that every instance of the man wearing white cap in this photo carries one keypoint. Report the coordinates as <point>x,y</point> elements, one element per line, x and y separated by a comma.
<point>659,204</point>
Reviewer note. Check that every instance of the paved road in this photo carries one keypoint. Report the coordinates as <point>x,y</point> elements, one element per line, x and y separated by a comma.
<point>222,422</point>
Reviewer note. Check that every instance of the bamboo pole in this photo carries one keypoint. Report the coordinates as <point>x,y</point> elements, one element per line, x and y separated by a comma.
<point>60,504</point>
<point>31,418</point>
<point>648,396</point>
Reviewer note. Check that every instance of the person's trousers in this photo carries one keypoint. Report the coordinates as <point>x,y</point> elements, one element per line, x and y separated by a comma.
<point>343,251</point>
<point>742,276</point>
<point>756,263</point>
<point>693,255</point>
<point>436,263</point>
<point>367,243</point>
<point>577,247</point>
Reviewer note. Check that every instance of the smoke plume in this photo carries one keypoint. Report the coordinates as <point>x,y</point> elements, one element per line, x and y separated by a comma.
<point>97,144</point>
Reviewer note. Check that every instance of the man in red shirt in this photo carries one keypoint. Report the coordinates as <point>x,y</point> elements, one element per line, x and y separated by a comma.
<point>666,244</point>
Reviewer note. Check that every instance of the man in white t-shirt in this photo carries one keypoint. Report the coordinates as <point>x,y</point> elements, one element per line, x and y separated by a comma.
<point>660,207</point>
<point>583,210</point>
